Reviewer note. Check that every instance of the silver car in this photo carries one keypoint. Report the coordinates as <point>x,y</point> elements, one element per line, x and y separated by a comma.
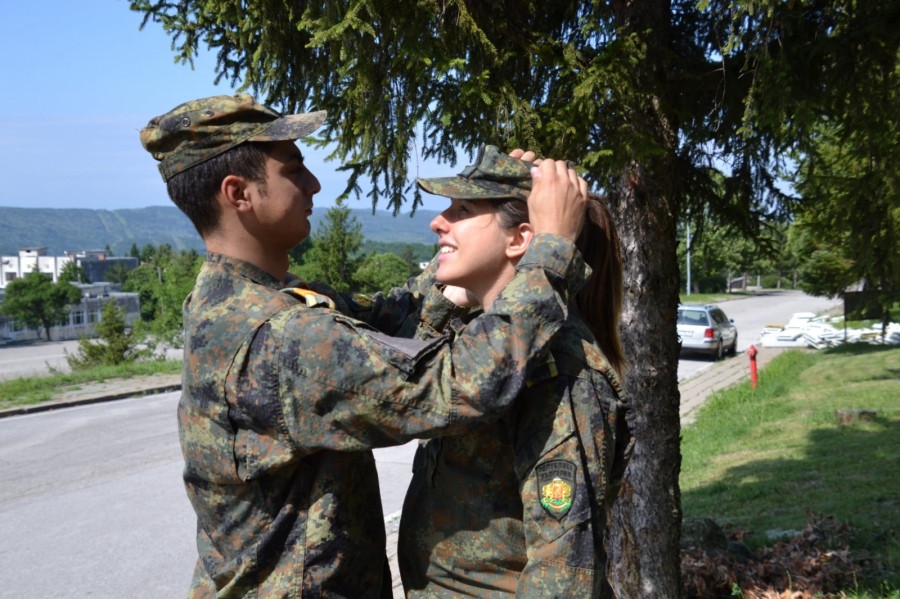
<point>706,329</point>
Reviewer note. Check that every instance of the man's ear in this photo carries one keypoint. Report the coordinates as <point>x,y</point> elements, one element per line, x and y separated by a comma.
<point>518,242</point>
<point>233,193</point>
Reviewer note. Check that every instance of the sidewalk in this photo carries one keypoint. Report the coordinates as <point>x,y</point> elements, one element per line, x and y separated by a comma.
<point>697,389</point>
<point>694,392</point>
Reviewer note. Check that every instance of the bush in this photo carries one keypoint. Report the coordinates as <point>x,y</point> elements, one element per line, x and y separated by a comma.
<point>115,344</point>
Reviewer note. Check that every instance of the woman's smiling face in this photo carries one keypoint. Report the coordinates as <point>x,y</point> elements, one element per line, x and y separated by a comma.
<point>473,248</point>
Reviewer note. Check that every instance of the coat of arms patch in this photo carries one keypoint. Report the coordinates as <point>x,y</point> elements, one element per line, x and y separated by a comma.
<point>556,484</point>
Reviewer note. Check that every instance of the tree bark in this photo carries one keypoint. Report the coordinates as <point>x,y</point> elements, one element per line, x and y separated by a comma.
<point>645,523</point>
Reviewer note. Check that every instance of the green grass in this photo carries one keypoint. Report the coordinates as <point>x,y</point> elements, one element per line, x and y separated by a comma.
<point>38,389</point>
<point>714,298</point>
<point>761,459</point>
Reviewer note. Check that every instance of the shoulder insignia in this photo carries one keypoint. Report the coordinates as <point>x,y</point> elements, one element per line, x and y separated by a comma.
<point>311,298</point>
<point>556,481</point>
<point>545,370</point>
<point>363,300</point>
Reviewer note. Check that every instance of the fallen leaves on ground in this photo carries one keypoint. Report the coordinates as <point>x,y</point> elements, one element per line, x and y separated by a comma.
<point>814,563</point>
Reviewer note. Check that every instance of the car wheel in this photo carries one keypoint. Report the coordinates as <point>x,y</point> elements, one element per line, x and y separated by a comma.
<point>719,351</point>
<point>733,351</point>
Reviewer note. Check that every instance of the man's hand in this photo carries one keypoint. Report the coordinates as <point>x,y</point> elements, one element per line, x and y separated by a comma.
<point>558,198</point>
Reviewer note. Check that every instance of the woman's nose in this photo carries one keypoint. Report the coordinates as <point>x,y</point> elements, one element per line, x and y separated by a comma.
<point>439,224</point>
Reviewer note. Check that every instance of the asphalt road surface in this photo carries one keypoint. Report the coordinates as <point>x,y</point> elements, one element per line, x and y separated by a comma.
<point>92,504</point>
<point>35,358</point>
<point>751,315</point>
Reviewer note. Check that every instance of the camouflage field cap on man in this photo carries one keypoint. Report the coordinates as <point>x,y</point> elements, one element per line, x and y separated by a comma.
<point>494,176</point>
<point>198,130</point>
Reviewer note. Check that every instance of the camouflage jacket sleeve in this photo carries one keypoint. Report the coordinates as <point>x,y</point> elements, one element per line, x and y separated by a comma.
<point>398,312</point>
<point>345,386</point>
<point>569,464</point>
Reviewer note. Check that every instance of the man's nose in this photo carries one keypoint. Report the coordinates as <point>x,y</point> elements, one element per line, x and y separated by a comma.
<point>311,184</point>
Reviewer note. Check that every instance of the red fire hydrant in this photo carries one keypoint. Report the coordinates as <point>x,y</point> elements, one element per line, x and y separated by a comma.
<point>751,351</point>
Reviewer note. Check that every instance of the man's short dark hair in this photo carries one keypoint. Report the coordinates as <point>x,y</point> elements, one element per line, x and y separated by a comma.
<point>194,190</point>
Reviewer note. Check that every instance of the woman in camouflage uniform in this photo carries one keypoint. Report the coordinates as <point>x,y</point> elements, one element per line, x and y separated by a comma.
<point>520,507</point>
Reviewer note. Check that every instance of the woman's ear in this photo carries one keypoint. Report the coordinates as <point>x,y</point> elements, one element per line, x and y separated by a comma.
<point>233,193</point>
<point>518,242</point>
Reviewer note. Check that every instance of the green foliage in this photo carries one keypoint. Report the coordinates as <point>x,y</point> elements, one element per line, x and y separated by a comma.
<point>825,273</point>
<point>381,272</point>
<point>850,182</point>
<point>37,302</point>
<point>334,249</point>
<point>412,253</point>
<point>38,389</point>
<point>72,273</point>
<point>163,281</point>
<point>115,344</point>
<point>63,229</point>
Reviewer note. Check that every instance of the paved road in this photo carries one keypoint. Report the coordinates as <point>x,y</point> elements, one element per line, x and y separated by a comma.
<point>38,358</point>
<point>92,503</point>
<point>751,314</point>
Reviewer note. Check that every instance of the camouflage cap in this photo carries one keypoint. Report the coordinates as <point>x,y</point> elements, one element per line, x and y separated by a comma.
<point>494,176</point>
<point>198,130</point>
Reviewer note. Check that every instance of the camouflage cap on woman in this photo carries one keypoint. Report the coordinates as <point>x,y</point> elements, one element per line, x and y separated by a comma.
<point>494,176</point>
<point>196,131</point>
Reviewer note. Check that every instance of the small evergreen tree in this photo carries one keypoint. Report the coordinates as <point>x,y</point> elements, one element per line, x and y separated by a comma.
<point>332,258</point>
<point>115,344</point>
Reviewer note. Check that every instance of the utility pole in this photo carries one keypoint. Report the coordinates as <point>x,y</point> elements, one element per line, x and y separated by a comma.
<point>688,243</point>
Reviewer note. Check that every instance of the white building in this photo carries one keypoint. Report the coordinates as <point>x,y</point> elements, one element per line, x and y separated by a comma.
<point>83,315</point>
<point>16,267</point>
<point>95,263</point>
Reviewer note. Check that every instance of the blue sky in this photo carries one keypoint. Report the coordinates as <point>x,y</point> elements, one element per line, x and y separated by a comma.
<point>78,82</point>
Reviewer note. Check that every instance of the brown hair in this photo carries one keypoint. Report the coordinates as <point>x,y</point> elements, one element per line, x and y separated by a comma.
<point>194,190</point>
<point>600,300</point>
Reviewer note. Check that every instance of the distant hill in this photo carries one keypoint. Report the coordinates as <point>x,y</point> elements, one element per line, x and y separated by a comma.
<point>62,230</point>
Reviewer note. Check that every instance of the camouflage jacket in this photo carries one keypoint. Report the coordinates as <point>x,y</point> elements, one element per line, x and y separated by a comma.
<point>519,508</point>
<point>284,396</point>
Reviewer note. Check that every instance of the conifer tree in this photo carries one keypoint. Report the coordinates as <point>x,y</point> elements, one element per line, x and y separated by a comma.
<point>651,98</point>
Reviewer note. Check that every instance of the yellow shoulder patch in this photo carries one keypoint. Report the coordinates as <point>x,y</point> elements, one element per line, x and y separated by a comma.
<point>311,298</point>
<point>545,370</point>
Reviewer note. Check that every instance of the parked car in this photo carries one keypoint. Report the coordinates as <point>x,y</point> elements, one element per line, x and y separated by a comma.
<point>706,329</point>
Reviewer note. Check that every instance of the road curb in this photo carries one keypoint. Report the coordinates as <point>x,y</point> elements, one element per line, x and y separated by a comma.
<point>84,401</point>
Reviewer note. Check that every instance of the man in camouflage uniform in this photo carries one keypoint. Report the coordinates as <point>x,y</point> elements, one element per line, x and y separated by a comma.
<point>284,394</point>
<point>518,508</point>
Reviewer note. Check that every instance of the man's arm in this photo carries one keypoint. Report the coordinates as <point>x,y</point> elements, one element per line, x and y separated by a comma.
<point>345,386</point>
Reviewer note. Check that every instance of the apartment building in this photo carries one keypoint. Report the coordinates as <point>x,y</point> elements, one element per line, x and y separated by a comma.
<point>95,295</point>
<point>95,263</point>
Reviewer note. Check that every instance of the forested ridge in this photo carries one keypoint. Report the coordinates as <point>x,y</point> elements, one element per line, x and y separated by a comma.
<point>61,230</point>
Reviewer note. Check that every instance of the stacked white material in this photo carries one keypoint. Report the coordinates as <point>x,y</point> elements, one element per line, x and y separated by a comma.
<point>806,330</point>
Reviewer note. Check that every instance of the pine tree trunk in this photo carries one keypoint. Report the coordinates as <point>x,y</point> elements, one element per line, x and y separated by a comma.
<point>643,544</point>
<point>645,524</point>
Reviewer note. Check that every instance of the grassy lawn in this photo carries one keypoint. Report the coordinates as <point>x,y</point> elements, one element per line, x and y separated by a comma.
<point>760,460</point>
<point>713,298</point>
<point>38,389</point>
